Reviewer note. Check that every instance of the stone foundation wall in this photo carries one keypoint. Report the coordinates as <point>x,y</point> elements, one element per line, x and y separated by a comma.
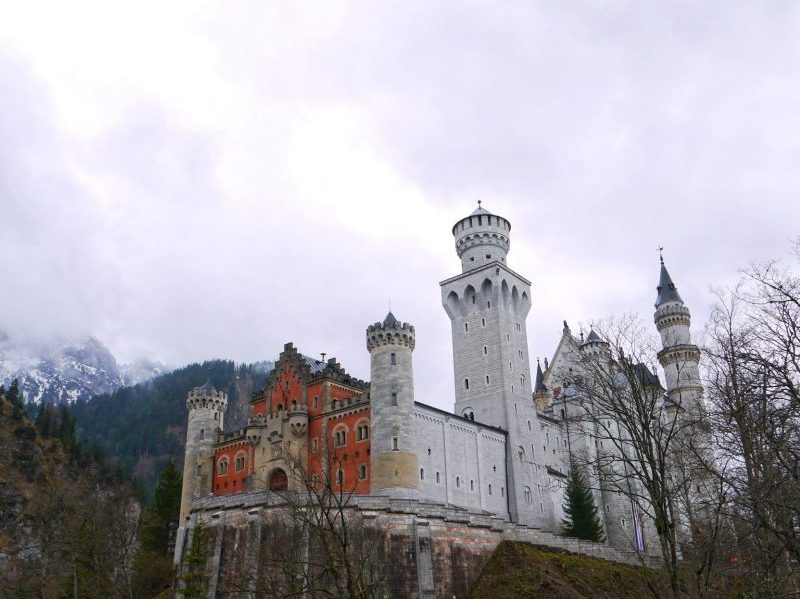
<point>430,550</point>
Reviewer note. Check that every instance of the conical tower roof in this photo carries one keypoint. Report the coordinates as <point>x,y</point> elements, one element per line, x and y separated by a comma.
<point>539,386</point>
<point>390,320</point>
<point>667,292</point>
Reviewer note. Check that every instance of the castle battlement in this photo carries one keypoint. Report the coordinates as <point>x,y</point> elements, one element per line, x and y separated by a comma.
<point>390,332</point>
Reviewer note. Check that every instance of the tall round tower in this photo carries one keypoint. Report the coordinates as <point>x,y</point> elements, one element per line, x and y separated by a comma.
<point>679,357</point>
<point>206,408</point>
<point>393,459</point>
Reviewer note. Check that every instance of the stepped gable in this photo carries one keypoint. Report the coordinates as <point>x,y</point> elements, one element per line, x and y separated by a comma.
<point>310,370</point>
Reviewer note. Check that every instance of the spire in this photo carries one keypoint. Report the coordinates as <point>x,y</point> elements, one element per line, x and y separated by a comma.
<point>390,320</point>
<point>206,387</point>
<point>667,292</point>
<point>539,386</point>
<point>593,337</point>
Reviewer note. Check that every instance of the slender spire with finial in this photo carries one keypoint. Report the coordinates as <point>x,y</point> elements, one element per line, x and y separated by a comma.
<point>667,291</point>
<point>661,254</point>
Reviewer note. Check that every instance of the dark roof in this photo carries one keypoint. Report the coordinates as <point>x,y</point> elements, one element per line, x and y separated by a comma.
<point>207,386</point>
<point>539,386</point>
<point>593,337</point>
<point>667,292</point>
<point>314,365</point>
<point>390,320</point>
<point>646,376</point>
<point>480,210</point>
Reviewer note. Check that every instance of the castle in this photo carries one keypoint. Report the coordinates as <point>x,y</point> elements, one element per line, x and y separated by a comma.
<point>505,450</point>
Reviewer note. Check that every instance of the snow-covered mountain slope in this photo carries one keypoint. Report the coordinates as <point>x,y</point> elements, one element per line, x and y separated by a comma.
<point>66,370</point>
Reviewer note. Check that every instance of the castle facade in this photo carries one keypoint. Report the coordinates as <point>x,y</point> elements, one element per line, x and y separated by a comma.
<point>505,450</point>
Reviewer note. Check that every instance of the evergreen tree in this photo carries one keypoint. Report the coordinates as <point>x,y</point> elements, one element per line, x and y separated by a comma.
<point>14,396</point>
<point>163,516</point>
<point>581,519</point>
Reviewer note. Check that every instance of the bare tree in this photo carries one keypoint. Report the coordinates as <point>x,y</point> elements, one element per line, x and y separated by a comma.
<point>631,435</point>
<point>754,391</point>
<point>313,542</point>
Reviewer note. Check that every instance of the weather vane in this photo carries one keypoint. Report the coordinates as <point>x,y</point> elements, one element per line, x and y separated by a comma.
<point>479,203</point>
<point>323,356</point>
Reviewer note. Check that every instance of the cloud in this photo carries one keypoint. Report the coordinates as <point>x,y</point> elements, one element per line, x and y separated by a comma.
<point>216,182</point>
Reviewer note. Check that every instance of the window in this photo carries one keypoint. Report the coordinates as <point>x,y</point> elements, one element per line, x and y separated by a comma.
<point>466,384</point>
<point>521,453</point>
<point>520,353</point>
<point>222,467</point>
<point>529,425</point>
<point>437,478</point>
<point>315,402</point>
<point>314,480</point>
<point>394,444</point>
<point>502,491</point>
<point>522,381</point>
<point>490,488</point>
<point>526,492</point>
<point>485,350</point>
<point>314,444</point>
<point>202,433</point>
<point>394,398</point>
<point>362,472</point>
<point>508,337</point>
<point>340,437</point>
<point>623,523</point>
<point>541,507</point>
<point>362,432</point>
<point>471,485</point>
<point>483,322</point>
<point>458,482</point>
<point>393,359</point>
<point>466,327</point>
<point>488,304</point>
<point>239,464</point>
<point>487,379</point>
<point>519,327</point>
<point>199,469</point>
<point>422,473</point>
<point>488,256</point>
<point>473,299</point>
<point>339,477</point>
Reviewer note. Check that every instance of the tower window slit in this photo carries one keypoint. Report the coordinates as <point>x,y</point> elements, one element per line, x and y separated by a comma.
<point>393,359</point>
<point>466,383</point>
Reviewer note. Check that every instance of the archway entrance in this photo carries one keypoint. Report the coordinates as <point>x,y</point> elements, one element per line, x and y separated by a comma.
<point>278,480</point>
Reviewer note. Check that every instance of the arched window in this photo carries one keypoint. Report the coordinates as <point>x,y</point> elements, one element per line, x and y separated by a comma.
<point>222,467</point>
<point>458,482</point>
<point>521,453</point>
<point>362,472</point>
<point>362,431</point>
<point>339,477</point>
<point>239,462</point>
<point>340,436</point>
<point>422,473</point>
<point>527,494</point>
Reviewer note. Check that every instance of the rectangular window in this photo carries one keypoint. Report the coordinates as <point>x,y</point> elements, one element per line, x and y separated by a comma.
<point>394,444</point>
<point>202,433</point>
<point>314,444</point>
<point>315,402</point>
<point>466,327</point>
<point>393,359</point>
<point>466,383</point>
<point>487,379</point>
<point>394,398</point>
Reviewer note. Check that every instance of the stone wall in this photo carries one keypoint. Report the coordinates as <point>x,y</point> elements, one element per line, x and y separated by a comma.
<point>430,550</point>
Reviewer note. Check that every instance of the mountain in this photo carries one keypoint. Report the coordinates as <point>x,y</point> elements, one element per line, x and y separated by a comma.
<point>67,370</point>
<point>140,427</point>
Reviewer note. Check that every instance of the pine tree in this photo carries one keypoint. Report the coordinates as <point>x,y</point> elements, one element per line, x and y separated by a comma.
<point>581,519</point>
<point>163,516</point>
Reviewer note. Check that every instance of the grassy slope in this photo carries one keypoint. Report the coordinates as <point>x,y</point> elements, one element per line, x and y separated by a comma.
<point>519,570</point>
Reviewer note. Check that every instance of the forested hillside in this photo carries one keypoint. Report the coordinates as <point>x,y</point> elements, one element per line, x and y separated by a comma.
<point>142,426</point>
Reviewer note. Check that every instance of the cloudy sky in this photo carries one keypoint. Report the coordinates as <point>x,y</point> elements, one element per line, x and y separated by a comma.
<point>188,180</point>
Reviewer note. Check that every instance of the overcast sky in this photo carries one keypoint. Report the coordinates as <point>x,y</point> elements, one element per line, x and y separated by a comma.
<point>188,180</point>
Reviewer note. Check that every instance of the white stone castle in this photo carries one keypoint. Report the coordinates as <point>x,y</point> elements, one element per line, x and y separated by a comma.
<point>504,451</point>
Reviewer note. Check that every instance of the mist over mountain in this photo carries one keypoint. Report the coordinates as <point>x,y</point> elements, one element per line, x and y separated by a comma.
<point>67,369</point>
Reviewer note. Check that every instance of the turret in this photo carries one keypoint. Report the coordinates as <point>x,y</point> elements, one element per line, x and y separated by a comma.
<point>393,457</point>
<point>206,408</point>
<point>679,358</point>
<point>481,238</point>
